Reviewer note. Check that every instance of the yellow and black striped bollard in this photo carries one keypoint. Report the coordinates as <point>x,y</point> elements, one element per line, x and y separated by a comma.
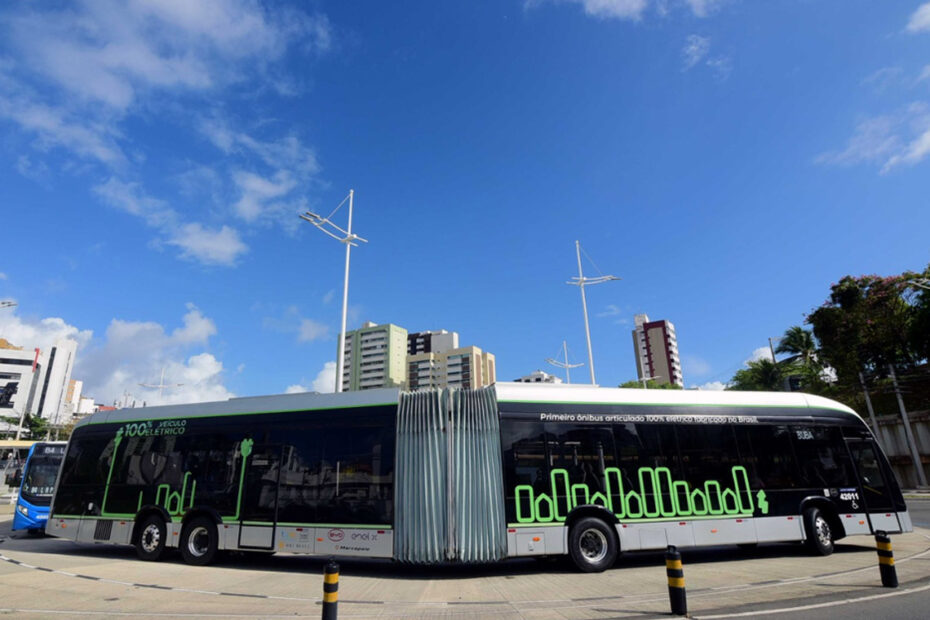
<point>886,559</point>
<point>330,590</point>
<point>676,582</point>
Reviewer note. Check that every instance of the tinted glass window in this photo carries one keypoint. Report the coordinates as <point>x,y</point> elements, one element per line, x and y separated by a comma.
<point>822,457</point>
<point>767,453</point>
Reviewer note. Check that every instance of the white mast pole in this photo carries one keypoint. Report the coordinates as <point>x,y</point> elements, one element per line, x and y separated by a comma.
<point>345,300</point>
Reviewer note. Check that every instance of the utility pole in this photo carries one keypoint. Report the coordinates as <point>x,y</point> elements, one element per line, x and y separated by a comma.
<point>346,237</point>
<point>565,364</point>
<point>911,444</point>
<point>868,405</point>
<point>580,281</point>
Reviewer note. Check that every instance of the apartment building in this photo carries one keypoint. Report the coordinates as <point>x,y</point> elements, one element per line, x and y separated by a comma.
<point>375,356</point>
<point>656,348</point>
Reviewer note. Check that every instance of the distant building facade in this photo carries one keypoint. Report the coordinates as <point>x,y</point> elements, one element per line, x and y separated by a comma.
<point>437,341</point>
<point>41,380</point>
<point>375,357</point>
<point>656,348</point>
<point>465,367</point>
<point>538,376</point>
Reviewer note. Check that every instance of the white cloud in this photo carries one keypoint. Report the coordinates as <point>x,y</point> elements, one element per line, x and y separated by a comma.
<point>257,193</point>
<point>42,333</point>
<point>703,8</point>
<point>884,78</point>
<point>197,328</point>
<point>132,352</point>
<point>610,310</point>
<point>920,19</point>
<point>892,140</point>
<point>324,383</point>
<point>329,296</point>
<point>311,330</point>
<point>762,353</point>
<point>2,276</point>
<point>715,386</point>
<point>137,352</point>
<point>694,51</point>
<point>112,52</point>
<point>212,247</point>
<point>605,9</point>
<point>722,67</point>
<point>221,246</point>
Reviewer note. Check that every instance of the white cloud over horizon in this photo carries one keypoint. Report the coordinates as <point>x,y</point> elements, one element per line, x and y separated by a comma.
<point>133,353</point>
<point>324,382</point>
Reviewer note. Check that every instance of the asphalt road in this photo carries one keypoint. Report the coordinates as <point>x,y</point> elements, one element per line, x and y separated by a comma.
<point>48,577</point>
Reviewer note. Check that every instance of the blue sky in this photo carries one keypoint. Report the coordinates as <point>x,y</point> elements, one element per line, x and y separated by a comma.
<point>728,159</point>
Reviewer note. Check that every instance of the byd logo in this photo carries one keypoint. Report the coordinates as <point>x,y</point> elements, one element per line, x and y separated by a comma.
<point>336,535</point>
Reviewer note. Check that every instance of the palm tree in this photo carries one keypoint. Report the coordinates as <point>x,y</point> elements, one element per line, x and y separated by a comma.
<point>762,375</point>
<point>799,342</point>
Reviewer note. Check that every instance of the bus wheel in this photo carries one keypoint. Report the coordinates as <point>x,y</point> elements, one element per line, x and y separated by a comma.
<point>592,545</point>
<point>819,534</point>
<point>199,541</point>
<point>150,543</point>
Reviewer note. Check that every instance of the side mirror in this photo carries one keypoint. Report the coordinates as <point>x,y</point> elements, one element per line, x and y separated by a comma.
<point>15,479</point>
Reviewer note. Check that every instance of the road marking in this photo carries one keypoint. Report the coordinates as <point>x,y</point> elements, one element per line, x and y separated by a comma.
<point>847,601</point>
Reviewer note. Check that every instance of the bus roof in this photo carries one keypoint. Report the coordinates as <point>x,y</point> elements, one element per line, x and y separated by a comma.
<point>588,394</point>
<point>306,401</point>
<point>506,392</point>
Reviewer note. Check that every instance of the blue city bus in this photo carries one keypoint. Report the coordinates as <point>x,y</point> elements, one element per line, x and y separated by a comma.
<point>37,485</point>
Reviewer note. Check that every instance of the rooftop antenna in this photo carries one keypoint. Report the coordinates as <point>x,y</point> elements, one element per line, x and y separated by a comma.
<point>565,364</point>
<point>161,385</point>
<point>580,281</point>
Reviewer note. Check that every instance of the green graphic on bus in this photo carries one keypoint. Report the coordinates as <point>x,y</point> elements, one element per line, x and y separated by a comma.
<point>658,496</point>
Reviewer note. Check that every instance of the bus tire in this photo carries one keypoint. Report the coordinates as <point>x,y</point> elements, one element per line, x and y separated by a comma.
<point>592,545</point>
<point>819,533</point>
<point>152,538</point>
<point>199,541</point>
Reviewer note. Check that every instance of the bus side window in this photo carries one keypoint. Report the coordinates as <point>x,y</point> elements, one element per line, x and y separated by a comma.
<point>767,454</point>
<point>822,457</point>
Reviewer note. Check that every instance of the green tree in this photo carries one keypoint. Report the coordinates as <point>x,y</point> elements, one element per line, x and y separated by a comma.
<point>799,342</point>
<point>867,323</point>
<point>760,376</point>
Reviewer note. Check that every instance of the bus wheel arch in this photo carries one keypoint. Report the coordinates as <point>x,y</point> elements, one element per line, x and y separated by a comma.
<point>199,542</point>
<point>593,543</point>
<point>150,534</point>
<point>822,526</point>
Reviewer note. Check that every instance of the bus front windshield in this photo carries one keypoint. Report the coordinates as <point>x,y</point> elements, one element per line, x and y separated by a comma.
<point>39,479</point>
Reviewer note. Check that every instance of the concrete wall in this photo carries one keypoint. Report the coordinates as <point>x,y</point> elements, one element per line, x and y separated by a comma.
<point>893,440</point>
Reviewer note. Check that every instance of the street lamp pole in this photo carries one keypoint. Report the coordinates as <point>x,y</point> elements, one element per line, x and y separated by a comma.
<point>566,365</point>
<point>580,281</point>
<point>348,238</point>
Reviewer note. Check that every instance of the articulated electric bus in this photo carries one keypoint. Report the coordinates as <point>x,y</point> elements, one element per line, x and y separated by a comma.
<point>476,476</point>
<point>36,486</point>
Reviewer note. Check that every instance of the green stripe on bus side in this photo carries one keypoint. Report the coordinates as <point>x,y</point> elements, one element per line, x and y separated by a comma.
<point>227,520</point>
<point>231,414</point>
<point>648,520</point>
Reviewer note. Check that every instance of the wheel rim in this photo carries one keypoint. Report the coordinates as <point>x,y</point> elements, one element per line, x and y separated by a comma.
<point>593,545</point>
<point>822,531</point>
<point>151,537</point>
<point>198,542</point>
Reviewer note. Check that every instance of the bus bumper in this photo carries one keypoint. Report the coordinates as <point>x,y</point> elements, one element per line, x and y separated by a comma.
<point>28,518</point>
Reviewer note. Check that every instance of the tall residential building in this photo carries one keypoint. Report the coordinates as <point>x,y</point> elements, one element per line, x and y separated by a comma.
<point>41,379</point>
<point>656,347</point>
<point>465,367</point>
<point>375,356</point>
<point>437,341</point>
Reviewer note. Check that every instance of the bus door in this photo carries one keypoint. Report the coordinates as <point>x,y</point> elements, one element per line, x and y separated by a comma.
<point>259,514</point>
<point>874,493</point>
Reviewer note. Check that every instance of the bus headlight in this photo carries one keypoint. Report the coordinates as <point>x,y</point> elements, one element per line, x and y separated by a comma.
<point>23,510</point>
